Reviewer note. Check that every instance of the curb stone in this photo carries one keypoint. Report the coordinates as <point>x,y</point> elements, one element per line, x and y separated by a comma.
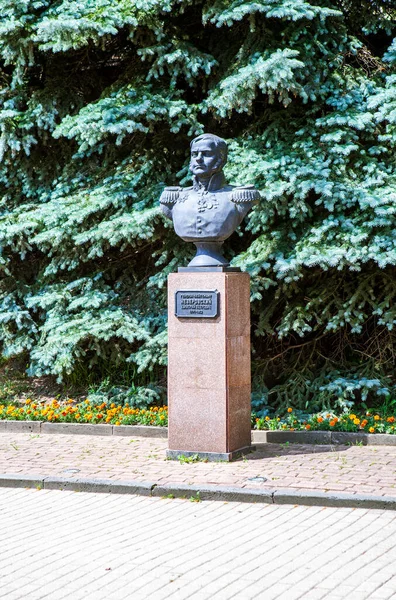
<point>201,492</point>
<point>140,430</point>
<point>9,426</point>
<point>214,492</point>
<point>22,426</point>
<point>333,499</point>
<point>293,437</point>
<point>21,481</point>
<point>106,486</point>
<point>76,428</point>
<point>326,438</point>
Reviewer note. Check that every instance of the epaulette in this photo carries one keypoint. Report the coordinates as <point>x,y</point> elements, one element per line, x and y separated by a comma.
<point>170,195</point>
<point>245,193</point>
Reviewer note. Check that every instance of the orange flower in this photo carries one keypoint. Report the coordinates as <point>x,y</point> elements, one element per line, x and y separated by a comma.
<point>308,426</point>
<point>332,423</point>
<point>364,422</point>
<point>320,419</point>
<point>391,419</point>
<point>289,410</point>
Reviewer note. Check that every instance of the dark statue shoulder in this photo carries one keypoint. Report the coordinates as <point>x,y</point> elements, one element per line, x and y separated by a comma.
<point>170,195</point>
<point>173,194</point>
<point>245,194</point>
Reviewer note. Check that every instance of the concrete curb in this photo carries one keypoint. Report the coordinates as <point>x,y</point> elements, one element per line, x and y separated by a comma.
<point>200,492</point>
<point>325,438</point>
<point>82,429</point>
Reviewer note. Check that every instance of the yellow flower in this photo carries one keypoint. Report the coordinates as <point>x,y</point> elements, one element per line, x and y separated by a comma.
<point>377,418</point>
<point>267,418</point>
<point>117,423</point>
<point>356,421</point>
<point>371,430</point>
<point>352,417</point>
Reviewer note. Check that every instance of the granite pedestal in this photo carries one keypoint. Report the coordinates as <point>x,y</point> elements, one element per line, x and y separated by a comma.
<point>209,369</point>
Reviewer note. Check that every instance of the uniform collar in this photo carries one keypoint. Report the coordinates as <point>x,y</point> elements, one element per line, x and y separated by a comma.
<point>216,182</point>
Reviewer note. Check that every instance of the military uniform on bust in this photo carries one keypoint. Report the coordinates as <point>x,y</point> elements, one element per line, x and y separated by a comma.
<point>209,211</point>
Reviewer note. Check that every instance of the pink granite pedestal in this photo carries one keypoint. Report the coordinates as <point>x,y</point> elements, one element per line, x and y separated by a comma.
<point>209,370</point>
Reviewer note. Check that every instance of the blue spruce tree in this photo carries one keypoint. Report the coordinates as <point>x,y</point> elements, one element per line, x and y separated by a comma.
<point>98,100</point>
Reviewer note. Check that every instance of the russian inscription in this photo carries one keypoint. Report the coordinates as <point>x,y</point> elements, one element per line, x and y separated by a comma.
<point>197,304</point>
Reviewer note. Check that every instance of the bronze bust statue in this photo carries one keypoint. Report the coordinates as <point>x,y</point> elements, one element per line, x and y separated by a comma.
<point>208,212</point>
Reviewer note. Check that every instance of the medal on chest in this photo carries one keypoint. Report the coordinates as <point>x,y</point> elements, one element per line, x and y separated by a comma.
<point>207,201</point>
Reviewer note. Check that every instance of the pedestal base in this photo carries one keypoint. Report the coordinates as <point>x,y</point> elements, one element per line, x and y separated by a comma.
<point>209,366</point>
<point>210,456</point>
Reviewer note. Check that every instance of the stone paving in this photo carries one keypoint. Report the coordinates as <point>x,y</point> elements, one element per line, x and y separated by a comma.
<point>62,544</point>
<point>352,469</point>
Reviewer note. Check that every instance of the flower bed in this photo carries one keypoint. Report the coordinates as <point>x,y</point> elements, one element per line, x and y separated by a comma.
<point>84,412</point>
<point>370,422</point>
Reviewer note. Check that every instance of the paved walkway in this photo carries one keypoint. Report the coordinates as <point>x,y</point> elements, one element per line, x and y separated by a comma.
<point>356,470</point>
<point>61,545</point>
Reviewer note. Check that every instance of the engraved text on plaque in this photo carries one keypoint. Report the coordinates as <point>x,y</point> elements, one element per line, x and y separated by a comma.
<point>196,304</point>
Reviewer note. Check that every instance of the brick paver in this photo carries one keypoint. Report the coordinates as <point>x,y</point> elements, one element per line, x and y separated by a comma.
<point>352,469</point>
<point>59,544</point>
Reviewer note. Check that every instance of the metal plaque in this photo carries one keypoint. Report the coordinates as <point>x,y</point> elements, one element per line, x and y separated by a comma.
<point>197,304</point>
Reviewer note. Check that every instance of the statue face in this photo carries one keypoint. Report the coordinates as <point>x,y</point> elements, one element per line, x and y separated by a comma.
<point>205,159</point>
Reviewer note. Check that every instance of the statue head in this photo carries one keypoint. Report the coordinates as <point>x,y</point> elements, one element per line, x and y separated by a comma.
<point>208,155</point>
